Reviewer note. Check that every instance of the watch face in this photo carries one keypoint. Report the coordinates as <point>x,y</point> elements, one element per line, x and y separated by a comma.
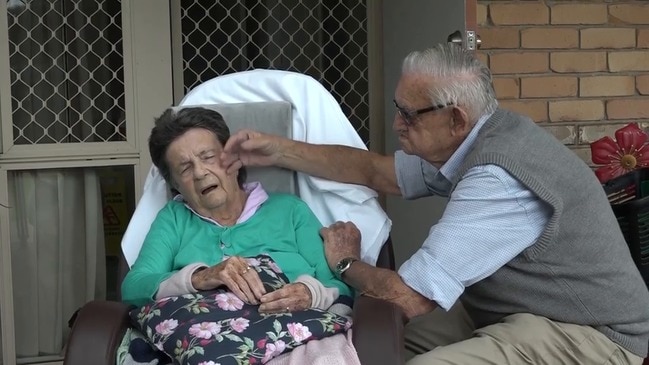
<point>344,264</point>
<point>341,264</point>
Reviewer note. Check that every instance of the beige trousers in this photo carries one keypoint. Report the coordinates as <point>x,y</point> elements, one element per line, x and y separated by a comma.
<point>518,339</point>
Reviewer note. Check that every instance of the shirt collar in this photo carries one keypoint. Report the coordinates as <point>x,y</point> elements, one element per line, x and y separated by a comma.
<point>450,168</point>
<point>256,197</point>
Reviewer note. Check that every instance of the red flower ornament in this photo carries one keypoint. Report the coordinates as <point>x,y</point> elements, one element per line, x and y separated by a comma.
<point>626,154</point>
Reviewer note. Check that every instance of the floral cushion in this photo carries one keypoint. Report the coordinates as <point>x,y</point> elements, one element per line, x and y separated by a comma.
<point>216,327</point>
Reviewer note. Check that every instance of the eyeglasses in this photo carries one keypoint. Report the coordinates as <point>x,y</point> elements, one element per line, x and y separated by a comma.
<point>408,116</point>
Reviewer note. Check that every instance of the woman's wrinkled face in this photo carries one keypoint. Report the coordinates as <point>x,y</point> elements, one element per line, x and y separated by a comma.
<point>193,160</point>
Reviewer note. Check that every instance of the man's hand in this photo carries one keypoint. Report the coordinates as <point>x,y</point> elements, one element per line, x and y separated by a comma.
<point>236,275</point>
<point>341,240</point>
<point>290,298</point>
<point>250,148</point>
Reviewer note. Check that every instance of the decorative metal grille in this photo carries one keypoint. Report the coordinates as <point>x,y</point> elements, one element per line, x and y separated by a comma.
<point>67,76</point>
<point>326,39</point>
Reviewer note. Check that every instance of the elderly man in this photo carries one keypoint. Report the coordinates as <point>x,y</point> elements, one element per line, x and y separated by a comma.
<point>527,243</point>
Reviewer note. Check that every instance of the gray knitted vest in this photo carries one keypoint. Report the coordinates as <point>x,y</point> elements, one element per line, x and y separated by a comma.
<point>580,269</point>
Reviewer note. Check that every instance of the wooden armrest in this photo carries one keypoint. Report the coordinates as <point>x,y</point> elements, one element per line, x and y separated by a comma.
<point>378,331</point>
<point>97,333</point>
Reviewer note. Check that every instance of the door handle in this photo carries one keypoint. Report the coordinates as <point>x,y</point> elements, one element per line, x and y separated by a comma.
<point>473,40</point>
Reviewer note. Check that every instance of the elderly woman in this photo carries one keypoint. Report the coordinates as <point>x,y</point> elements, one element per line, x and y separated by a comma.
<point>201,238</point>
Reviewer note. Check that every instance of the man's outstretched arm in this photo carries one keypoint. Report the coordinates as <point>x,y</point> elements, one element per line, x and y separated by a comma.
<point>333,162</point>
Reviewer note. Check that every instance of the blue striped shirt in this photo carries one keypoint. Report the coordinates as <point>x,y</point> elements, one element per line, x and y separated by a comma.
<point>490,218</point>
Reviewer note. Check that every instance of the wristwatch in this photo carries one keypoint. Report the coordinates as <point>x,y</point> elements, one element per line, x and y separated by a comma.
<point>343,265</point>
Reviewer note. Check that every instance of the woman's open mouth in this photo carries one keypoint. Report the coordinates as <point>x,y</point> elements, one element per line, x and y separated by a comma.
<point>209,189</point>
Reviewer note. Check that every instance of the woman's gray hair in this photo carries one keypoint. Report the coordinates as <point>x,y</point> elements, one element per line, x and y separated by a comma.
<point>174,123</point>
<point>458,77</point>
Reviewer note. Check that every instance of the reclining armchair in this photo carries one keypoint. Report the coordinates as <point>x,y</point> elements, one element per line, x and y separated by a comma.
<point>99,326</point>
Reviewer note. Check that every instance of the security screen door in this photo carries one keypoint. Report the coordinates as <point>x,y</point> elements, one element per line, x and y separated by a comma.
<point>325,39</point>
<point>73,93</point>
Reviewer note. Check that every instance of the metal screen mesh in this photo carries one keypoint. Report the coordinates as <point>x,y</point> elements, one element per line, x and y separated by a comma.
<point>326,39</point>
<point>66,65</point>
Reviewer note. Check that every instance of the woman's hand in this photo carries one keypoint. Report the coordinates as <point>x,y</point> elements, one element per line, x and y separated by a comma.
<point>290,298</point>
<point>236,275</point>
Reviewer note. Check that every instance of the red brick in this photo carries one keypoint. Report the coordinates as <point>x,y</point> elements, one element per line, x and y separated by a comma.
<point>578,61</point>
<point>500,37</point>
<point>628,108</point>
<point>519,13</point>
<point>642,84</point>
<point>573,110</point>
<point>481,15</point>
<point>608,38</point>
<point>643,38</point>
<point>519,62</point>
<point>629,13</point>
<point>579,14</point>
<point>606,86</point>
<point>550,38</point>
<point>564,133</point>
<point>591,133</point>
<point>535,109</point>
<point>506,87</point>
<point>548,86</point>
<point>628,61</point>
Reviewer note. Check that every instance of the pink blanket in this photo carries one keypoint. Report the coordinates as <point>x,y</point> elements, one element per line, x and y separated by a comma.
<point>334,350</point>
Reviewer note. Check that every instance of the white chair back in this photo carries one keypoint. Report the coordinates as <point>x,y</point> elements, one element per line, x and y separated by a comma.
<point>269,117</point>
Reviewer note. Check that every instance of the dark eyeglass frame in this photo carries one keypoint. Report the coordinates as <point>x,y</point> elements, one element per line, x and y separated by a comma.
<point>408,115</point>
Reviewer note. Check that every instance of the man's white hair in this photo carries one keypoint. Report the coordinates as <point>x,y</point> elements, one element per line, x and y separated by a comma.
<point>456,76</point>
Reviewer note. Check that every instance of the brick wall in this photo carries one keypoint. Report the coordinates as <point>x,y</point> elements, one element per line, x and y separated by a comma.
<point>578,68</point>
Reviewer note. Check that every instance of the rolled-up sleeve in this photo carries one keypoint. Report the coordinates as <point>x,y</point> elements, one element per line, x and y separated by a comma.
<point>428,277</point>
<point>489,220</point>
